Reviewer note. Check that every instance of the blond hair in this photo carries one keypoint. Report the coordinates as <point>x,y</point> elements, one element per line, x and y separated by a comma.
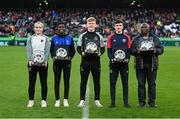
<point>90,19</point>
<point>40,23</point>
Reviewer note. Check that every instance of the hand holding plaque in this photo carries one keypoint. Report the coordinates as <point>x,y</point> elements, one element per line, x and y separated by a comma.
<point>119,56</point>
<point>146,46</point>
<point>38,59</point>
<point>61,54</point>
<point>91,48</point>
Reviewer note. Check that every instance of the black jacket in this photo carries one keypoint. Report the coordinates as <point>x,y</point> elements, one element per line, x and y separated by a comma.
<point>139,57</point>
<point>92,36</point>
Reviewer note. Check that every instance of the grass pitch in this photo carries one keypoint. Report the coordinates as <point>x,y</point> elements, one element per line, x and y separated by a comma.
<point>14,86</point>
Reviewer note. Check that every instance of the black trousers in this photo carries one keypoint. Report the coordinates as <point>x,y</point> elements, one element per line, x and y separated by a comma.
<point>58,67</point>
<point>33,70</point>
<point>150,76</point>
<point>85,69</point>
<point>114,71</point>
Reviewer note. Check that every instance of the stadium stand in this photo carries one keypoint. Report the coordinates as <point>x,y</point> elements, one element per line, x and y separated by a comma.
<point>164,22</point>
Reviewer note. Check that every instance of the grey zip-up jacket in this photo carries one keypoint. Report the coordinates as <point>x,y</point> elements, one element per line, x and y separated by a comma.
<point>138,61</point>
<point>38,43</point>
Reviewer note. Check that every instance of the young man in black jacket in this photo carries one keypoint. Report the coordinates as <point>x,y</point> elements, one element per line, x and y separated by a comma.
<point>118,46</point>
<point>146,47</point>
<point>90,46</point>
<point>62,51</point>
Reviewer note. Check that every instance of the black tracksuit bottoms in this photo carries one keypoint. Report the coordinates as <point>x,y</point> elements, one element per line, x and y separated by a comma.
<point>85,69</point>
<point>115,68</point>
<point>43,73</point>
<point>150,76</point>
<point>58,67</point>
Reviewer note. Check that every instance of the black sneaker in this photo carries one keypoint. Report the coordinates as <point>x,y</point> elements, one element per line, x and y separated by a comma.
<point>141,104</point>
<point>152,105</point>
<point>127,105</point>
<point>112,105</point>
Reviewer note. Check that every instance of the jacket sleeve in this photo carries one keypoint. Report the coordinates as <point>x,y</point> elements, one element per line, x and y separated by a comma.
<point>159,47</point>
<point>52,48</point>
<point>72,49</point>
<point>102,50</point>
<point>128,47</point>
<point>47,49</point>
<point>79,45</point>
<point>134,46</point>
<point>109,52</point>
<point>109,47</point>
<point>102,46</point>
<point>29,49</point>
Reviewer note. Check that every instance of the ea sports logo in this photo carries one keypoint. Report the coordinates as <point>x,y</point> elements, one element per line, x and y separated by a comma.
<point>119,55</point>
<point>123,40</point>
<point>61,52</point>
<point>146,45</point>
<point>91,47</point>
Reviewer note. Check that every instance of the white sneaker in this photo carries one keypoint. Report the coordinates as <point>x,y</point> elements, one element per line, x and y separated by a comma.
<point>57,104</point>
<point>30,103</point>
<point>98,104</point>
<point>82,103</point>
<point>66,104</point>
<point>43,103</point>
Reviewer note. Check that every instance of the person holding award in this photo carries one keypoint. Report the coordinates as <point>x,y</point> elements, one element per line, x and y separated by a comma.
<point>145,48</point>
<point>62,51</point>
<point>38,47</point>
<point>90,46</point>
<point>118,47</point>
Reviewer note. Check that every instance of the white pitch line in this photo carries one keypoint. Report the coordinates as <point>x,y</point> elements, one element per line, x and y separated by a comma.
<point>85,114</point>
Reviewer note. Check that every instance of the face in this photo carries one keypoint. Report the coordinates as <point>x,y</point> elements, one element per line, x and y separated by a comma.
<point>145,29</point>
<point>118,27</point>
<point>91,26</point>
<point>61,29</point>
<point>38,29</point>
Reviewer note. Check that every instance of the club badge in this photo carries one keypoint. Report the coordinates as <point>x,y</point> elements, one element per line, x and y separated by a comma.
<point>95,38</point>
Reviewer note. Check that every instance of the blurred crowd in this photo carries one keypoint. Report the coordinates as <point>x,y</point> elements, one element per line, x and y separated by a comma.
<point>163,22</point>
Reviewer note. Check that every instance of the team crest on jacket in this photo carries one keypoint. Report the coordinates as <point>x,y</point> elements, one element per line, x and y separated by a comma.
<point>114,40</point>
<point>95,38</point>
<point>123,40</point>
<point>42,40</point>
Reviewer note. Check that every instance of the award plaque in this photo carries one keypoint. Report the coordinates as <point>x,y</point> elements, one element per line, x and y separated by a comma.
<point>91,46</point>
<point>120,55</point>
<point>62,52</point>
<point>38,58</point>
<point>147,46</point>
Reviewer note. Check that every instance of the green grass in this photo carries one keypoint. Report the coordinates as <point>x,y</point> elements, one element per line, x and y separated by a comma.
<point>14,84</point>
